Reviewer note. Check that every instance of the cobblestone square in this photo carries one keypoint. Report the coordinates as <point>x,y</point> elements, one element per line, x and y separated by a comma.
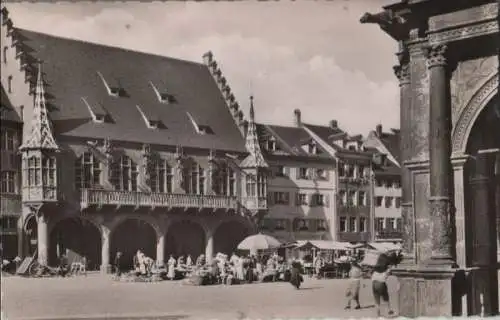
<point>98,297</point>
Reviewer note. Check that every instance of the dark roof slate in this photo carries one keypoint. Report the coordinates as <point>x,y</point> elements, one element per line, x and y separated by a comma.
<point>392,142</point>
<point>71,72</point>
<point>7,111</point>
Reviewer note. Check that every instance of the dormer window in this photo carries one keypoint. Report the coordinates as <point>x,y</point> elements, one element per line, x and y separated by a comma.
<point>313,148</point>
<point>199,128</point>
<point>271,144</point>
<point>113,88</point>
<point>161,94</point>
<point>96,111</point>
<point>151,122</point>
<point>9,83</point>
<point>5,54</point>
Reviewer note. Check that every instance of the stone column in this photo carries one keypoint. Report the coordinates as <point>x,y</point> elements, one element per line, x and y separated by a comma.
<point>439,153</point>
<point>209,249</point>
<point>403,73</point>
<point>105,251</point>
<point>484,255</point>
<point>160,250</point>
<point>43,239</point>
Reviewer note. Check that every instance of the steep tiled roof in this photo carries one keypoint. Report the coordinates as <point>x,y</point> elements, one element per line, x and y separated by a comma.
<point>392,142</point>
<point>7,112</point>
<point>73,69</point>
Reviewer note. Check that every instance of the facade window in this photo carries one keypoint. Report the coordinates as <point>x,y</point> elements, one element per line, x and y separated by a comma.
<point>379,224</point>
<point>361,198</point>
<point>321,174</point>
<point>87,171</point>
<point>352,147</point>
<point>318,199</point>
<point>280,171</point>
<point>8,142</point>
<point>124,174</point>
<point>301,225</point>
<point>225,184</point>
<point>301,199</point>
<point>388,184</point>
<point>341,170</point>
<point>391,223</point>
<point>388,202</point>
<point>251,185</point>
<point>396,184</point>
<point>399,224</point>
<point>194,179</point>
<point>312,149</point>
<point>398,202</point>
<point>39,172</point>
<point>265,224</point>
<point>349,171</point>
<point>342,198</point>
<point>343,224</point>
<point>362,224</point>
<point>261,185</point>
<point>379,183</point>
<point>8,182</point>
<point>8,223</point>
<point>161,176</point>
<point>322,225</point>
<point>281,198</point>
<point>303,173</point>
<point>351,198</point>
<point>361,172</point>
<point>280,224</point>
<point>352,224</point>
<point>379,201</point>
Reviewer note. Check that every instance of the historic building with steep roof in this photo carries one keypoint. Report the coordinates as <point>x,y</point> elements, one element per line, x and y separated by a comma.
<point>319,187</point>
<point>387,184</point>
<point>106,150</point>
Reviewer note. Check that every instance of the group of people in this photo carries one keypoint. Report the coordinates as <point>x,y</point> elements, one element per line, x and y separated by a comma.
<point>380,273</point>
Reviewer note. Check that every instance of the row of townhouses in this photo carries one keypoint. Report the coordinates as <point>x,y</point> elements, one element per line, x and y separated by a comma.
<point>105,149</point>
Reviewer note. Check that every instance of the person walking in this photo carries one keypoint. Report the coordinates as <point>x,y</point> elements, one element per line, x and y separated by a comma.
<point>352,294</point>
<point>295,277</point>
<point>379,285</point>
<point>117,264</point>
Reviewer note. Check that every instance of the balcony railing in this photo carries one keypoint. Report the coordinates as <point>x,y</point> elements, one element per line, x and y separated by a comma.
<point>92,197</point>
<point>389,235</point>
<point>10,204</point>
<point>255,203</point>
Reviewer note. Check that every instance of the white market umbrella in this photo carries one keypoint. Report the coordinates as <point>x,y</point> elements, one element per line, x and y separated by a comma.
<point>259,242</point>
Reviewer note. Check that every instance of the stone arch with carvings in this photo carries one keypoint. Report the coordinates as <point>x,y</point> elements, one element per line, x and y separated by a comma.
<point>471,112</point>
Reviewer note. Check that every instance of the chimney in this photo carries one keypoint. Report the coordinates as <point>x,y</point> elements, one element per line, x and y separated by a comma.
<point>334,124</point>
<point>379,130</point>
<point>208,58</point>
<point>298,121</point>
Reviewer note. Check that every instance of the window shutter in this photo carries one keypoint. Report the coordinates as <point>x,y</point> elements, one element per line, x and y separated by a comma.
<point>287,198</point>
<point>327,200</point>
<point>297,172</point>
<point>312,224</point>
<point>287,171</point>
<point>327,174</point>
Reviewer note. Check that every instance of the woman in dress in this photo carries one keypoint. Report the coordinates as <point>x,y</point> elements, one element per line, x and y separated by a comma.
<point>296,277</point>
<point>171,268</point>
<point>189,261</point>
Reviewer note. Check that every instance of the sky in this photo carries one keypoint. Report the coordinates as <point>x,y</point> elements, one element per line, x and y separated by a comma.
<point>309,55</point>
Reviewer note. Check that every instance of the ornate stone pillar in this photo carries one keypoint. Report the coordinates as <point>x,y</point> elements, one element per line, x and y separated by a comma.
<point>209,249</point>
<point>179,172</point>
<point>210,177</point>
<point>105,252</point>
<point>483,233</point>
<point>43,239</point>
<point>439,154</point>
<point>160,250</point>
<point>402,71</point>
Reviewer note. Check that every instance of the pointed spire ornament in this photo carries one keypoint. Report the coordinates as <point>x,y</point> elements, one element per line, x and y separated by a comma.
<point>255,159</point>
<point>41,136</point>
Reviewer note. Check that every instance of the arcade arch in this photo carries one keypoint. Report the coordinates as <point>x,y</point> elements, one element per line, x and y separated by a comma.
<point>185,237</point>
<point>130,235</point>
<point>228,235</point>
<point>78,238</point>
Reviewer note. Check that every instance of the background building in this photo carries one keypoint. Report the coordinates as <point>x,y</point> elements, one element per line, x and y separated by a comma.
<point>387,184</point>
